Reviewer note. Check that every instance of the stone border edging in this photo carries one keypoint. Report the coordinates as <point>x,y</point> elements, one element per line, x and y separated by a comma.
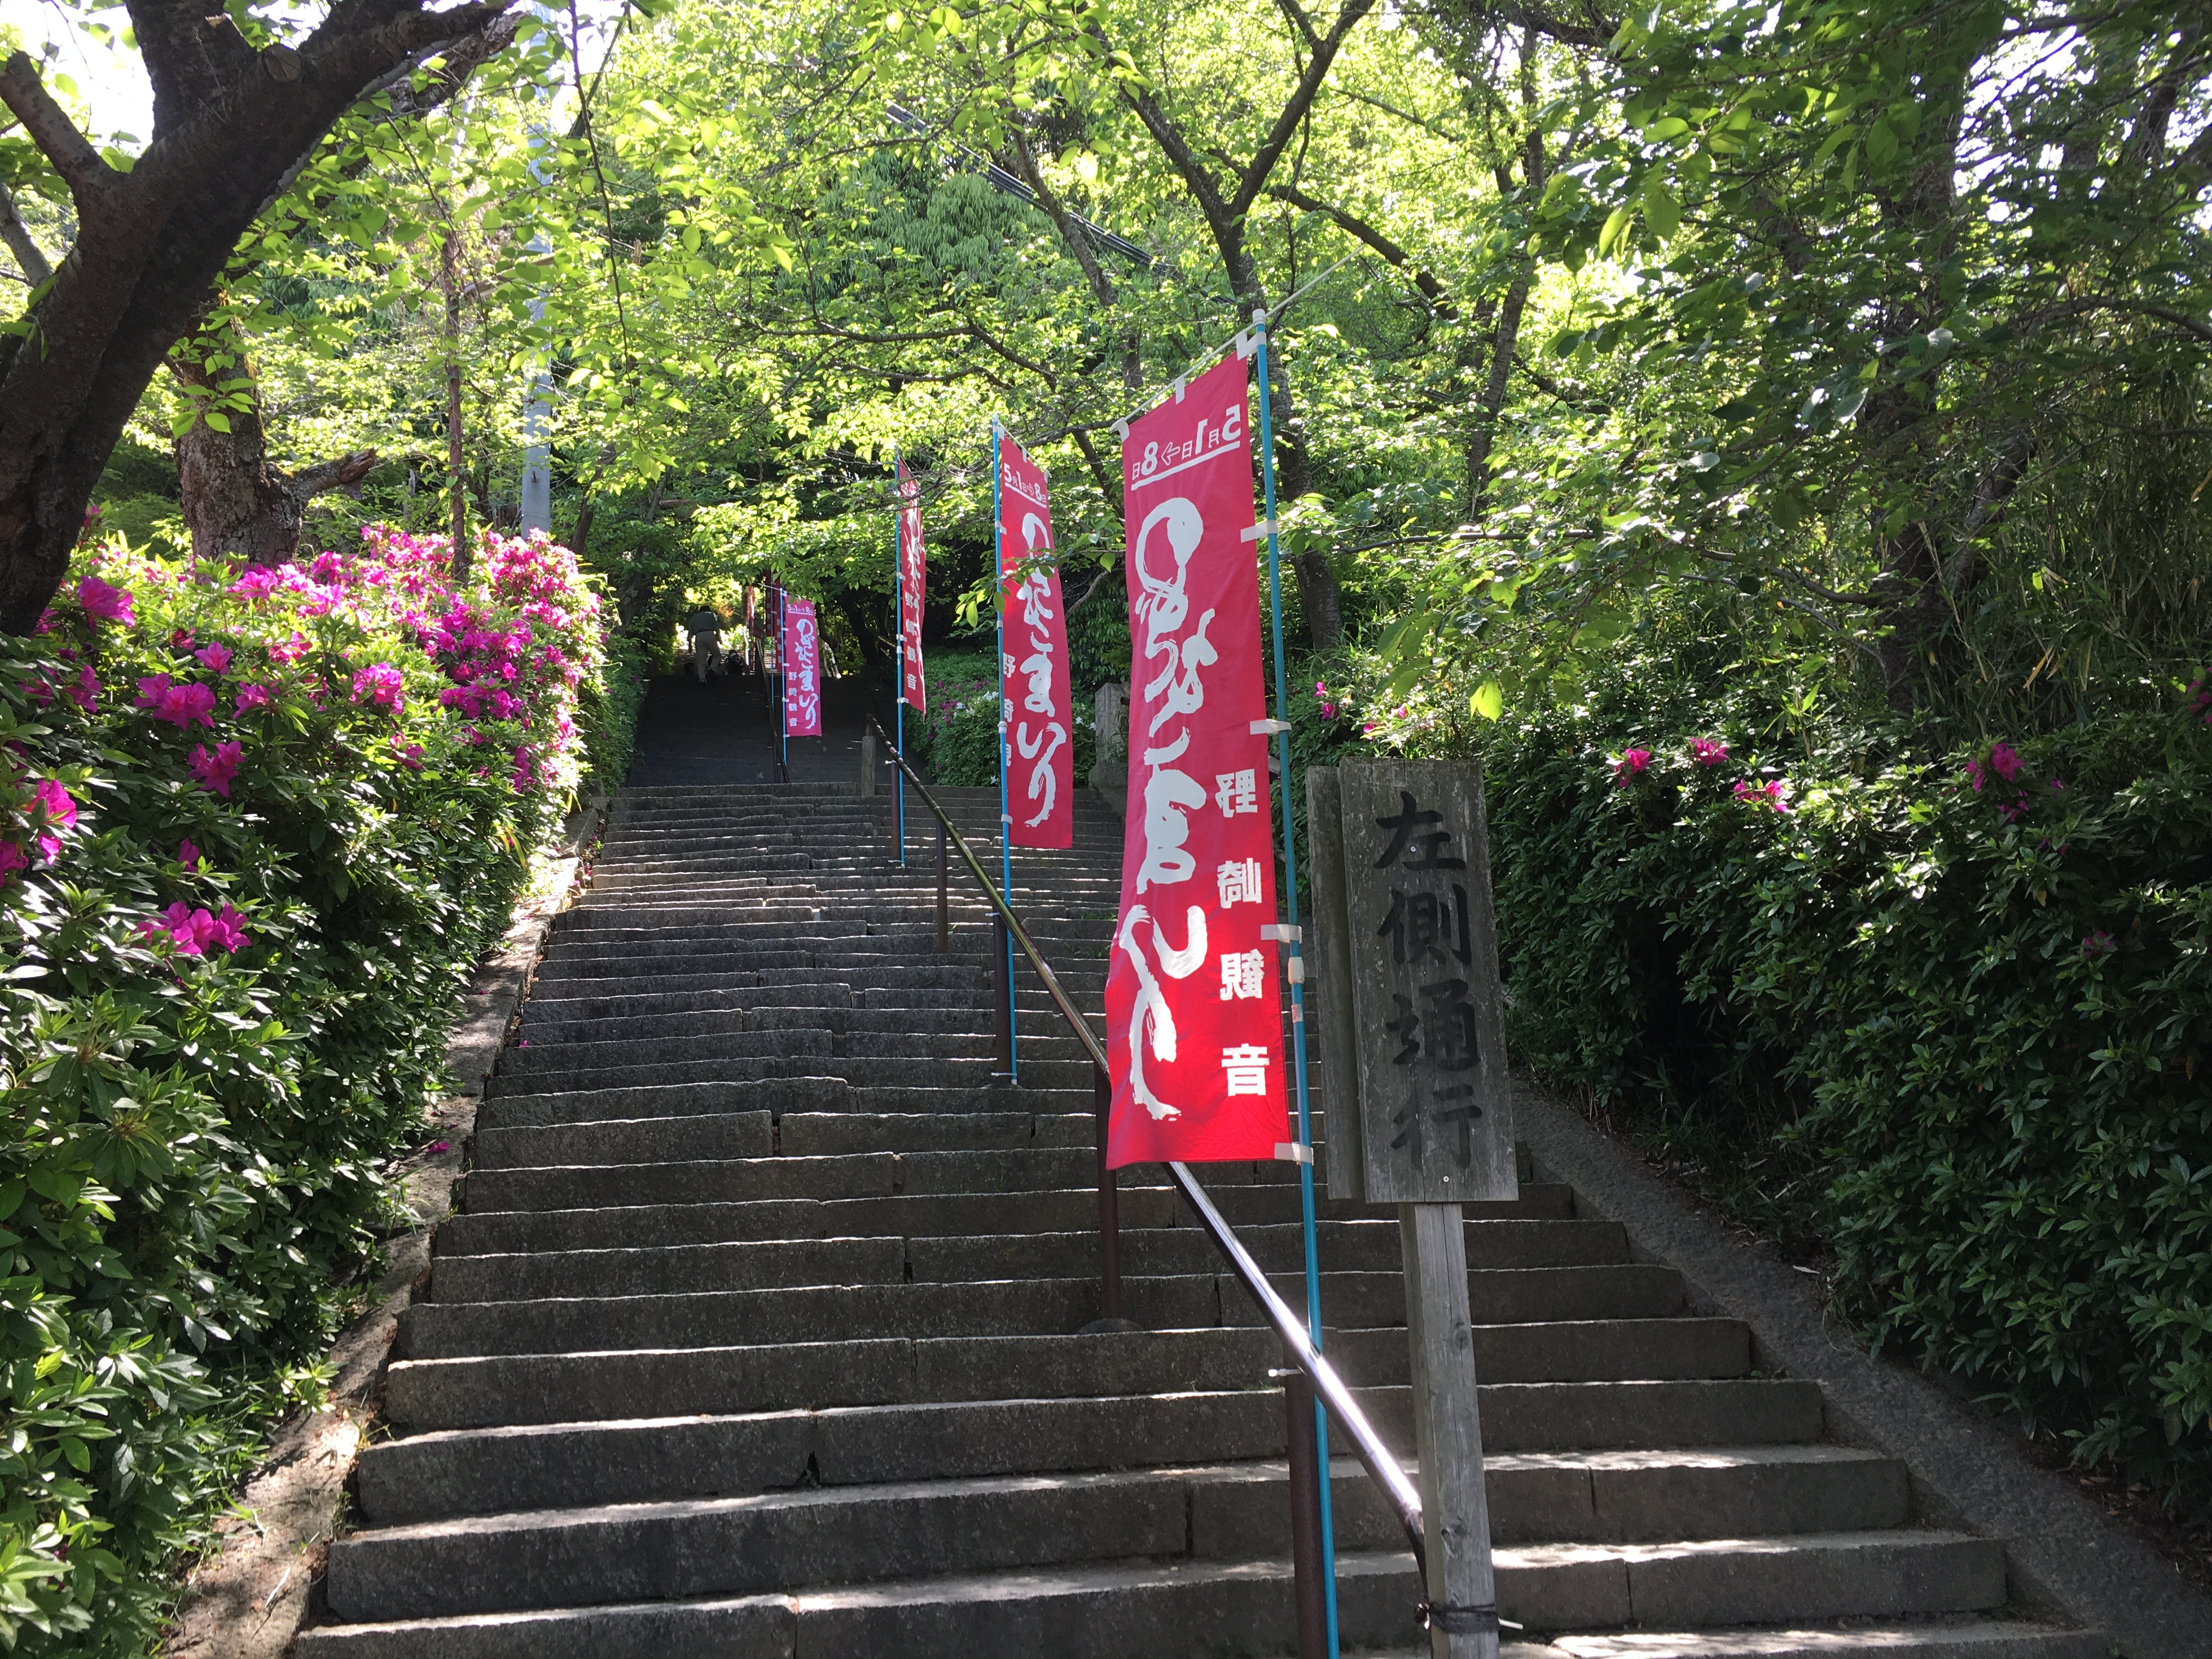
<point>1966,1466</point>
<point>250,1599</point>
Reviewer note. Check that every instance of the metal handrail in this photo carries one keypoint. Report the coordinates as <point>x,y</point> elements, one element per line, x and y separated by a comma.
<point>1381,1465</point>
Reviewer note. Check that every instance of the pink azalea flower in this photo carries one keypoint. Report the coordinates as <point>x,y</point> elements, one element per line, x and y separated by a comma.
<point>181,640</point>
<point>290,650</point>
<point>222,930</point>
<point>1708,752</point>
<point>253,696</point>
<point>187,854</point>
<point>105,604</point>
<point>180,705</point>
<point>410,756</point>
<point>381,684</point>
<point>1974,775</point>
<point>1762,795</point>
<point>11,861</point>
<point>84,690</point>
<point>2005,762</point>
<point>2099,944</point>
<point>217,771</point>
<point>216,657</point>
<point>39,690</point>
<point>60,809</point>
<point>2056,786</point>
<point>1631,765</point>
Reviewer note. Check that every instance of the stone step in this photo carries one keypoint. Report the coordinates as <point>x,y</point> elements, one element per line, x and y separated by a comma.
<point>852,1536</point>
<point>1150,1252</point>
<point>1581,1494</point>
<point>779,1096</point>
<point>482,1389</point>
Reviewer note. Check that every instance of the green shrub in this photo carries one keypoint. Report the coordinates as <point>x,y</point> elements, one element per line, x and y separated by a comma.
<point>955,742</point>
<point>1945,1017</point>
<point>254,831</point>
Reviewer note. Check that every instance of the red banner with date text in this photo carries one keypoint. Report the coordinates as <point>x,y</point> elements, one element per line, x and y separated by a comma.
<point>800,654</point>
<point>1034,695</point>
<point>913,574</point>
<point>1193,1007</point>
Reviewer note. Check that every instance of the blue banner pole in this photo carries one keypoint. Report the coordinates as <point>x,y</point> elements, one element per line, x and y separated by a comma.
<point>1292,944</point>
<point>782,688</point>
<point>1006,818</point>
<point>898,640</point>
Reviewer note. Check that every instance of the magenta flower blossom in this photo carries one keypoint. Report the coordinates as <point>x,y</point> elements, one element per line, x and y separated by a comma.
<point>1975,774</point>
<point>180,705</point>
<point>410,754</point>
<point>39,690</point>
<point>382,684</point>
<point>2005,762</point>
<point>1762,795</point>
<point>187,854</point>
<point>215,772</point>
<point>253,696</point>
<point>181,640</point>
<point>1708,752</point>
<point>192,932</point>
<point>60,809</point>
<point>290,650</point>
<point>216,657</point>
<point>83,691</point>
<point>105,604</point>
<point>1632,765</point>
<point>2099,944</point>
<point>11,861</point>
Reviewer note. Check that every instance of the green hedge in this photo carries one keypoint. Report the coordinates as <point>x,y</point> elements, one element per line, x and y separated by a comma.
<point>1945,1019</point>
<point>955,742</point>
<point>255,828</point>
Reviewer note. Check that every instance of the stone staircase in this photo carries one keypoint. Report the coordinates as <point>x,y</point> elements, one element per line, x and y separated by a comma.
<point>757,1335</point>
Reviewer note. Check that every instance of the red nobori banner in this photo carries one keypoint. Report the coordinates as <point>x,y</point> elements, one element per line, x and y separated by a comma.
<point>1194,1010</point>
<point>1035,697</point>
<point>914,575</point>
<point>801,656</point>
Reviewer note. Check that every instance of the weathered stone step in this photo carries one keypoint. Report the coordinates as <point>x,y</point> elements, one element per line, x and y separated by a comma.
<point>847,1536</point>
<point>778,1096</point>
<point>526,1387</point>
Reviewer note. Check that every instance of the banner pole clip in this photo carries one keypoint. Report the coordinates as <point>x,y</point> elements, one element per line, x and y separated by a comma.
<point>1293,1152</point>
<point>1269,728</point>
<point>1282,932</point>
<point>1261,531</point>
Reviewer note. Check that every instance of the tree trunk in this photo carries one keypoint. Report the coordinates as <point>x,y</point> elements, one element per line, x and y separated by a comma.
<point>236,501</point>
<point>456,468</point>
<point>231,127</point>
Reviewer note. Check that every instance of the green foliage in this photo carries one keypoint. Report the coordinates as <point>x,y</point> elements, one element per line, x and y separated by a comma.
<point>956,741</point>
<point>237,908</point>
<point>1943,1019</point>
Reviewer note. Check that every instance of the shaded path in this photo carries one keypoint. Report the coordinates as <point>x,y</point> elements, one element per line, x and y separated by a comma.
<point>724,732</point>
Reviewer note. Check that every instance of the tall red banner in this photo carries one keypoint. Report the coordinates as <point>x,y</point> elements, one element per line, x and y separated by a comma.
<point>913,574</point>
<point>800,654</point>
<point>1194,1008</point>
<point>1033,662</point>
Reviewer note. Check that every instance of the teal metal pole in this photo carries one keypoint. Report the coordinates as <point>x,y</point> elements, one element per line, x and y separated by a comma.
<point>1006,817</point>
<point>782,687</point>
<point>1293,943</point>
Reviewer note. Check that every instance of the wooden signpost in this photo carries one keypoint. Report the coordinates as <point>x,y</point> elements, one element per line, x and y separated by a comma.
<point>1416,1105</point>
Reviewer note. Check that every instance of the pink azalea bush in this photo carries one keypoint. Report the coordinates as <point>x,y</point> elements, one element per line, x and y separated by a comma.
<point>247,844</point>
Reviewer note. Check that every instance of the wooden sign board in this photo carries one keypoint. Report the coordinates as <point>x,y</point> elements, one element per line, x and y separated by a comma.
<point>1416,1099</point>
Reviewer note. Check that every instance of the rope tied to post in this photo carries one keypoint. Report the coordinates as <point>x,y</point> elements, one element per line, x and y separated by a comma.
<point>1480,1620</point>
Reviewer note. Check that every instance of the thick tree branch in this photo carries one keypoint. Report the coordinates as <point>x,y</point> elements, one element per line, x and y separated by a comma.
<point>1301,99</point>
<point>1431,287</point>
<point>91,180</point>
<point>29,255</point>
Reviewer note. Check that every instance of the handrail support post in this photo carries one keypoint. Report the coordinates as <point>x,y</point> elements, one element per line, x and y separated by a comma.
<point>1310,1581</point>
<point>944,900</point>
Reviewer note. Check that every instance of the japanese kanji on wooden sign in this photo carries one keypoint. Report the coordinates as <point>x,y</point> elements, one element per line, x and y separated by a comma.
<point>1417,1108</point>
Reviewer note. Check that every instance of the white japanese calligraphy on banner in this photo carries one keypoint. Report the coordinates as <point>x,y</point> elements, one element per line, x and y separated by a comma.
<point>801,656</point>
<point>914,575</point>
<point>1194,1010</point>
<point>1035,698</point>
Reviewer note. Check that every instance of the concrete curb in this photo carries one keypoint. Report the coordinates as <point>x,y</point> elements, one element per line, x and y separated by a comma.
<point>249,1600</point>
<point>1967,1467</point>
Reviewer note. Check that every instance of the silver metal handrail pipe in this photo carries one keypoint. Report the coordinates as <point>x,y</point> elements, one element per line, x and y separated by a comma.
<point>1404,1498</point>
